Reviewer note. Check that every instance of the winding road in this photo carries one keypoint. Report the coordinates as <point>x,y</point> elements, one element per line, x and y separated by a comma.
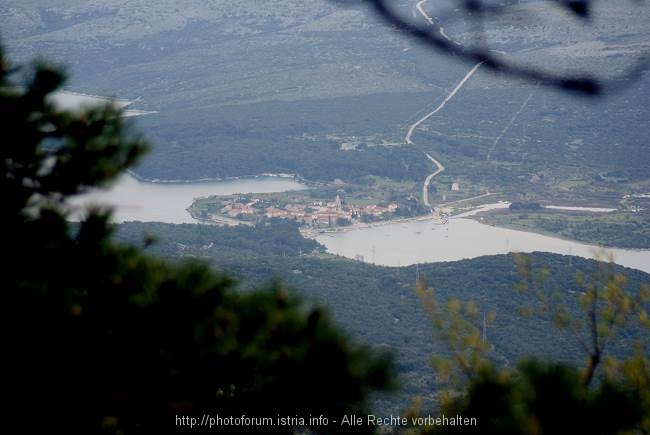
<point>427,181</point>
<point>449,96</point>
<point>416,124</point>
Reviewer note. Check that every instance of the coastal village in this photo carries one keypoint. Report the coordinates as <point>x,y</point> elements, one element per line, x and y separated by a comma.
<point>318,208</point>
<point>313,213</point>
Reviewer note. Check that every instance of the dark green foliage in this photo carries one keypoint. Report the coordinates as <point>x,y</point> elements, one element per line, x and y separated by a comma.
<point>378,304</point>
<point>545,398</point>
<point>532,206</point>
<point>104,337</point>
<point>410,207</point>
<point>273,237</point>
<point>48,154</point>
<point>270,138</point>
<point>621,229</point>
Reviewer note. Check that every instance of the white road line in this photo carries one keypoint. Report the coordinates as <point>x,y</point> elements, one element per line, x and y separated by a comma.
<point>507,127</point>
<point>460,84</point>
<point>411,130</point>
<point>427,181</point>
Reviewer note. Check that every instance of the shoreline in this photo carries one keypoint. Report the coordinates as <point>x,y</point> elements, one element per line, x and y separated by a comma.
<point>396,249</point>
<point>476,213</point>
<point>225,221</point>
<point>295,177</point>
<point>313,233</point>
<point>559,236</point>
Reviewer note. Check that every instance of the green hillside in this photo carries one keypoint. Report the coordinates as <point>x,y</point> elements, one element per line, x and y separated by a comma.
<point>252,87</point>
<point>378,305</point>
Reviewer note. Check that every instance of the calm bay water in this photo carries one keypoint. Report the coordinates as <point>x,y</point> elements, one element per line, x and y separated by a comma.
<point>406,243</point>
<point>391,244</point>
<point>136,200</point>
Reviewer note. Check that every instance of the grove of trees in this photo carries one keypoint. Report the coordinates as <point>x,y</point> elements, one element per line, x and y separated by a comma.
<point>104,338</point>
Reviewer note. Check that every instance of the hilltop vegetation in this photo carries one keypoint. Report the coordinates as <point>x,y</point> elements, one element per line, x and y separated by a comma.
<point>378,305</point>
<point>625,230</point>
<point>126,342</point>
<point>247,87</point>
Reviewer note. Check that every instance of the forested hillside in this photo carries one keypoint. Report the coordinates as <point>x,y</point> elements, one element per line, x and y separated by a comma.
<point>250,87</point>
<point>379,306</point>
<point>137,325</point>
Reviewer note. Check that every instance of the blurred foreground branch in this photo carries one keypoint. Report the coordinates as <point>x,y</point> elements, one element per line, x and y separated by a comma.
<point>430,33</point>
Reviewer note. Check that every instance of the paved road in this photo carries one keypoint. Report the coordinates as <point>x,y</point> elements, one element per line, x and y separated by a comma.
<point>427,181</point>
<point>448,98</point>
<point>411,130</point>
<point>416,124</point>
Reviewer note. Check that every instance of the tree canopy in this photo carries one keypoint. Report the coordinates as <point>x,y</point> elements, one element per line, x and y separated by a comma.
<point>105,338</point>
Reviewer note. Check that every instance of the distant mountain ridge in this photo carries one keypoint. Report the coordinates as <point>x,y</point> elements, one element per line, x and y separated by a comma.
<point>297,82</point>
